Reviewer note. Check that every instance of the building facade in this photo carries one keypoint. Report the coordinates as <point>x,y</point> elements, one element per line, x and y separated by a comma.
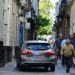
<point>15,27</point>
<point>31,19</point>
<point>62,24</point>
<point>1,20</point>
<point>58,3</point>
<point>72,17</point>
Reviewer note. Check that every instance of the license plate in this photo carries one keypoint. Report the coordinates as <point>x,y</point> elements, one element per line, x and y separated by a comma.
<point>36,53</point>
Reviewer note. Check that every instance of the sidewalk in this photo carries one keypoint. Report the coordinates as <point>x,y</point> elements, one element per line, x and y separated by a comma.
<point>62,69</point>
<point>9,66</point>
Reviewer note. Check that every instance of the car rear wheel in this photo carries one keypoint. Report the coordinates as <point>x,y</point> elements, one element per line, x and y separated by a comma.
<point>47,68</point>
<point>52,68</point>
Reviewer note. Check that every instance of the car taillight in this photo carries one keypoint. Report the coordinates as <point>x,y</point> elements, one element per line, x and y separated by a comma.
<point>26,52</point>
<point>49,53</point>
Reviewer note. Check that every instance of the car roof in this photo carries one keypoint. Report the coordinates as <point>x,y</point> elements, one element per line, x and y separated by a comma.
<point>36,41</point>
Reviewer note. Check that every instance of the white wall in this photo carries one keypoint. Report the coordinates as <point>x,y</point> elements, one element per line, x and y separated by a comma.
<point>7,18</point>
<point>14,24</point>
<point>11,18</point>
<point>72,18</point>
<point>1,20</point>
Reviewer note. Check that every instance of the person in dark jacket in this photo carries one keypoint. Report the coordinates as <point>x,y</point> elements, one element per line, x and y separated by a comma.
<point>58,44</point>
<point>72,39</point>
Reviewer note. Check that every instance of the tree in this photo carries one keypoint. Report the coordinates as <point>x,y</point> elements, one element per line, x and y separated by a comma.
<point>45,19</point>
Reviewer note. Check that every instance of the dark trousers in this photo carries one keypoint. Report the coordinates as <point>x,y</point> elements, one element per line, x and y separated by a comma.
<point>68,63</point>
<point>58,53</point>
<point>63,60</point>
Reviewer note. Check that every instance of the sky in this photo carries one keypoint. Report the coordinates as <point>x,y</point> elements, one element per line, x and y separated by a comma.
<point>53,11</point>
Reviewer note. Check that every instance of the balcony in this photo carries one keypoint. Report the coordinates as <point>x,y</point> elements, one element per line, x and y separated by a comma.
<point>63,3</point>
<point>69,1</point>
<point>25,4</point>
<point>63,7</point>
<point>18,2</point>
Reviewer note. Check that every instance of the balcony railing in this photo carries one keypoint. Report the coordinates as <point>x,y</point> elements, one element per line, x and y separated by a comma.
<point>64,1</point>
<point>68,1</point>
<point>23,3</point>
<point>63,7</point>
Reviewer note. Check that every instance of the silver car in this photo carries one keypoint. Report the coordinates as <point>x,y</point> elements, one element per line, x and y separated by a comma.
<point>37,53</point>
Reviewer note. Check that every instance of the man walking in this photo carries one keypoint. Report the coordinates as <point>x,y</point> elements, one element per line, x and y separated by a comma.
<point>62,45</point>
<point>68,52</point>
<point>72,41</point>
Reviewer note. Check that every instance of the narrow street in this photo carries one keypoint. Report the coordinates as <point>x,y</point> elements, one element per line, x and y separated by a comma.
<point>10,68</point>
<point>44,24</point>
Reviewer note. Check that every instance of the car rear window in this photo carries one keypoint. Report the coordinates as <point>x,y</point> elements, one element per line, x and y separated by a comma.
<point>37,46</point>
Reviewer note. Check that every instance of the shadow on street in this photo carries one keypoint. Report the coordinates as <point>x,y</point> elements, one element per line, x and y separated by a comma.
<point>33,69</point>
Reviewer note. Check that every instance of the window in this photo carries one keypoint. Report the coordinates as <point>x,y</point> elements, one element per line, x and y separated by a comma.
<point>36,46</point>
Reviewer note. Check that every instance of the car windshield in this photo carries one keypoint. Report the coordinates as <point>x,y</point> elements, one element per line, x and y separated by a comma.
<point>37,46</point>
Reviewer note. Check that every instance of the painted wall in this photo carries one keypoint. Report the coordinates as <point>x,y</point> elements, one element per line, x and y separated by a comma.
<point>11,19</point>
<point>1,20</point>
<point>72,18</point>
<point>14,23</point>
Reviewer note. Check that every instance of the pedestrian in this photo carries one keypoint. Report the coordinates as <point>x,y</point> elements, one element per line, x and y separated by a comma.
<point>72,40</point>
<point>62,45</point>
<point>63,42</point>
<point>68,52</point>
<point>58,44</point>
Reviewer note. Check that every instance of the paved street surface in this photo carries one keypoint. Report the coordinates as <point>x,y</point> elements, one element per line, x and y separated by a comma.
<point>10,69</point>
